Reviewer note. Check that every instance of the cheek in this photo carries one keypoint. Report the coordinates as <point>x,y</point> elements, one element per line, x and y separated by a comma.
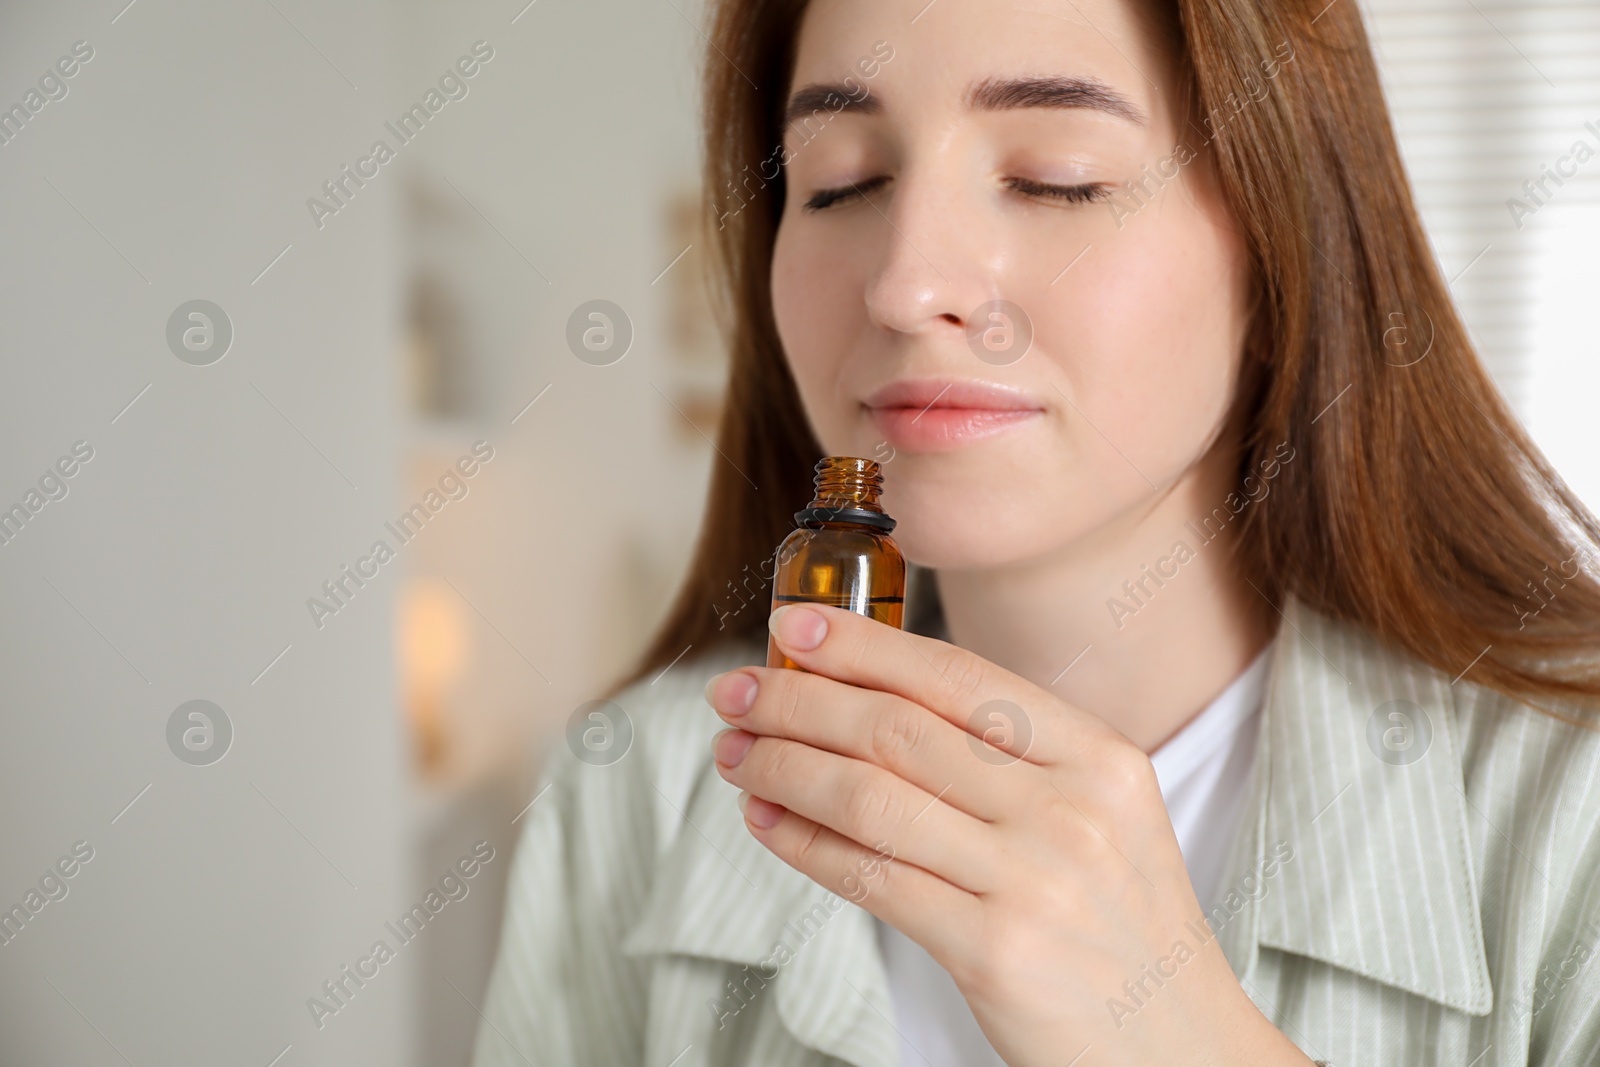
<point>794,300</point>
<point>1149,337</point>
<point>811,296</point>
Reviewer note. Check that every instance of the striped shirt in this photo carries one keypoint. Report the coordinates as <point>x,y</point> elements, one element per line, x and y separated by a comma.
<point>1415,881</point>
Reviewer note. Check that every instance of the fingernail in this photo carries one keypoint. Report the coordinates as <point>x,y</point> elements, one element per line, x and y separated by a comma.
<point>744,798</point>
<point>763,813</point>
<point>738,695</point>
<point>730,746</point>
<point>798,627</point>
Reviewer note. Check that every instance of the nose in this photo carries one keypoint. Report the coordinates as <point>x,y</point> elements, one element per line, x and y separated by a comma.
<point>934,270</point>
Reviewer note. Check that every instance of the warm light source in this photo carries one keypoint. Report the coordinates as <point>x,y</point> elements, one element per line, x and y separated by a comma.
<point>433,648</point>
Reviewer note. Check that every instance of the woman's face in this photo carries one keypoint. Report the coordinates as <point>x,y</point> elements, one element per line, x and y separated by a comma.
<point>991,162</point>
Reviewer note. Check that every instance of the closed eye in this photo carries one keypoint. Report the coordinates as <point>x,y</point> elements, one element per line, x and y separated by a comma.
<point>1072,194</point>
<point>832,196</point>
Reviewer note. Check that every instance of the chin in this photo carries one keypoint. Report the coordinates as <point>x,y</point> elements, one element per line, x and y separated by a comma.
<point>949,534</point>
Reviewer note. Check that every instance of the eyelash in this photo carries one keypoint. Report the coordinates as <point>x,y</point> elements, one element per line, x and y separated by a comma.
<point>1073,194</point>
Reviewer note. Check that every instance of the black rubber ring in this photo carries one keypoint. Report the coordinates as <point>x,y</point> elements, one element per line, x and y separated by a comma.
<point>813,517</point>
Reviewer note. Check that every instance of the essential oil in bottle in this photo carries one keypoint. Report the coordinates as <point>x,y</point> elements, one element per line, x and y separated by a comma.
<point>841,552</point>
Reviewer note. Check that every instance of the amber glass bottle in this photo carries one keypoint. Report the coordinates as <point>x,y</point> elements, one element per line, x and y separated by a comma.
<point>841,552</point>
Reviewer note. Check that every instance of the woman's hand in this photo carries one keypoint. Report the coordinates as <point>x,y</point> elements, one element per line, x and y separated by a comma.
<point>1032,853</point>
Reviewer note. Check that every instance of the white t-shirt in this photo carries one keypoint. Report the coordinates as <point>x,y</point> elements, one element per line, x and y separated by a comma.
<point>1203,770</point>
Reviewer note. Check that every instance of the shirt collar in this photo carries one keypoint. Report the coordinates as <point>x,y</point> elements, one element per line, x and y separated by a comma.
<point>1343,855</point>
<point>720,894</point>
<point>1359,855</point>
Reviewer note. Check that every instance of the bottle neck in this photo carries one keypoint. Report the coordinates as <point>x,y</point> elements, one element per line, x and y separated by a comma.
<point>844,482</point>
<point>847,490</point>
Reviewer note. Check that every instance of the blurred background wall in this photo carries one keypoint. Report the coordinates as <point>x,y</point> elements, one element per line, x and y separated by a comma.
<point>353,361</point>
<point>372,347</point>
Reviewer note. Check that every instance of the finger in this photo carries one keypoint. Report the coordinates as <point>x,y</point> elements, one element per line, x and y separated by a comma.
<point>885,729</point>
<point>965,689</point>
<point>862,802</point>
<point>920,904</point>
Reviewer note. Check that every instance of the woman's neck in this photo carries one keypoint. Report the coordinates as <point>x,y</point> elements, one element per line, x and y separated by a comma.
<point>1145,656</point>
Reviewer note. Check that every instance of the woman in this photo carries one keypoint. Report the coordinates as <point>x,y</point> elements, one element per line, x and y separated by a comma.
<point>1291,629</point>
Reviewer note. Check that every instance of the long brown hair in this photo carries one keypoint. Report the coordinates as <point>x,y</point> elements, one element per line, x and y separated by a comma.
<point>1421,509</point>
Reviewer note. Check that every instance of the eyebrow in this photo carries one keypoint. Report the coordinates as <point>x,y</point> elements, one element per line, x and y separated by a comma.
<point>990,94</point>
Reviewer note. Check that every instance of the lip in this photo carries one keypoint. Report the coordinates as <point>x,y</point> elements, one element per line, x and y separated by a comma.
<point>966,393</point>
<point>940,414</point>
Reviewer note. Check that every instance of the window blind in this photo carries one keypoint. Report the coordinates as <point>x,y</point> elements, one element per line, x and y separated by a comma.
<point>1496,104</point>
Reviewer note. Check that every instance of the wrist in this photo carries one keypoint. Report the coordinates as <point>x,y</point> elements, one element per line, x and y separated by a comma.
<point>1262,1043</point>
